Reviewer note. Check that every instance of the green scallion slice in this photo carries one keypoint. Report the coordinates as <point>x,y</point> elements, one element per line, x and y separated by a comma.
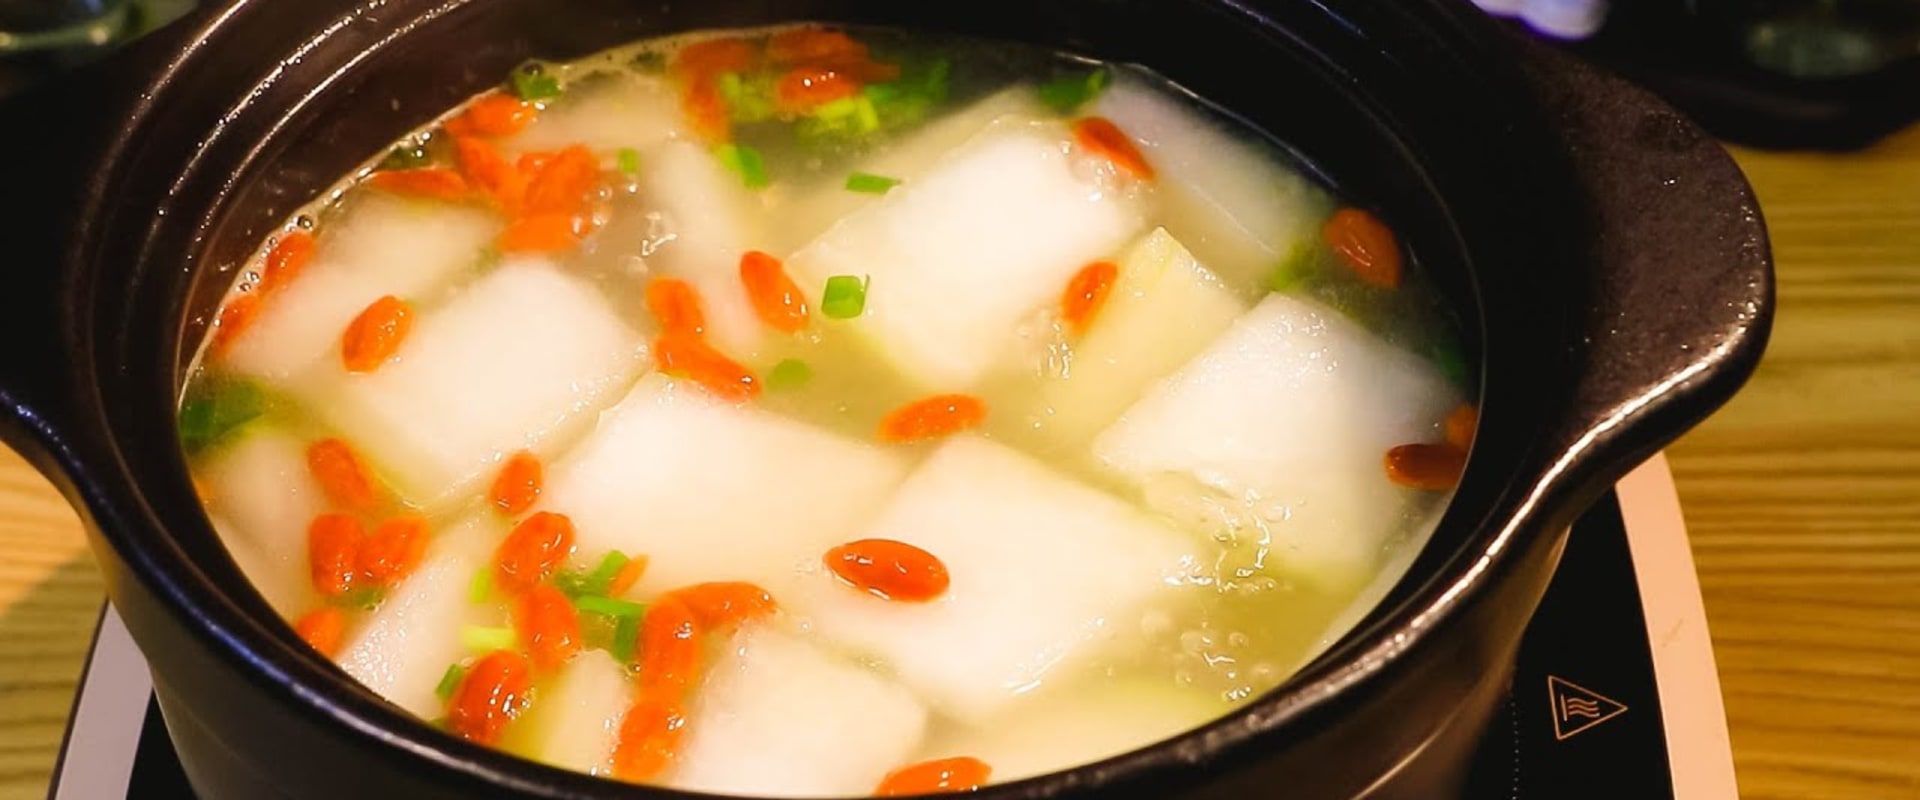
<point>573,583</point>
<point>410,155</point>
<point>626,635</point>
<point>450,681</point>
<point>209,416</point>
<point>869,183</point>
<point>601,579</point>
<point>531,83</point>
<point>749,99</point>
<point>480,589</point>
<point>1452,361</point>
<point>1067,92</point>
<point>845,297</point>
<point>596,630</point>
<point>789,374</point>
<point>609,606</point>
<point>482,639</point>
<point>1294,270</point>
<point>628,160</point>
<point>365,598</point>
<point>745,162</point>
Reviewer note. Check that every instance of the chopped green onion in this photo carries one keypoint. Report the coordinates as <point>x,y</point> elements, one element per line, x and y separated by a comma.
<point>852,114</point>
<point>790,373</point>
<point>911,97</point>
<point>572,583</point>
<point>410,155</point>
<point>1452,363</point>
<point>879,94</point>
<point>745,162</point>
<point>450,681</point>
<point>730,87</point>
<point>576,584</point>
<point>629,160</point>
<point>531,82</point>
<point>609,606</point>
<point>845,121</point>
<point>845,297</point>
<point>365,598</point>
<point>1295,269</point>
<point>626,634</point>
<point>482,639</point>
<point>748,100</point>
<point>209,416</point>
<point>480,590</point>
<point>596,630</point>
<point>609,568</point>
<point>869,183</point>
<point>1067,92</point>
<point>880,108</point>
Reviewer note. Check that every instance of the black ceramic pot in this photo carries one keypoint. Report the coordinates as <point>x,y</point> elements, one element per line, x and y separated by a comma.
<point>1608,259</point>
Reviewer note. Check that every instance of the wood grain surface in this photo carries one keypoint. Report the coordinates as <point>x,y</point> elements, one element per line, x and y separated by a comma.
<point>1803,498</point>
<point>1803,495</point>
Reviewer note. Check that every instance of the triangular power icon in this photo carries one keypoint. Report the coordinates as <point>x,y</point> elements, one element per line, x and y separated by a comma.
<point>1577,708</point>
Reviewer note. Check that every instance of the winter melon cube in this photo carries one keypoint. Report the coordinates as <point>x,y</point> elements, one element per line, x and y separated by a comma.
<point>1044,573</point>
<point>780,718</point>
<point>1347,610</point>
<point>1164,307</point>
<point>405,647</point>
<point>1062,728</point>
<point>1290,414</point>
<point>517,360</point>
<point>706,219</point>
<point>575,722</point>
<point>957,258</point>
<point>382,245</point>
<point>263,499</point>
<point>804,213</point>
<point>606,112</point>
<point>709,490</point>
<point>1229,200</point>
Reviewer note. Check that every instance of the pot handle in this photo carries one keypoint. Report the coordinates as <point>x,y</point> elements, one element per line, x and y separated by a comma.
<point>52,135</point>
<point>1684,303</point>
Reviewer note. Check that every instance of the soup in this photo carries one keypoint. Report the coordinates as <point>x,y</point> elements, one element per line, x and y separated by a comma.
<point>821,412</point>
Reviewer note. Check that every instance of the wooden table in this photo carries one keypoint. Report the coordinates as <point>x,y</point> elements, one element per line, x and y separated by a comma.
<point>1803,497</point>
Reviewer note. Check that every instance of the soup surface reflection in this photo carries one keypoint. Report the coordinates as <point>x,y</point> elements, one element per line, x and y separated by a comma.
<point>816,412</point>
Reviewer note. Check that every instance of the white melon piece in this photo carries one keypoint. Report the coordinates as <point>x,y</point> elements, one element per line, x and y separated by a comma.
<point>780,718</point>
<point>1289,415</point>
<point>958,257</point>
<point>262,500</point>
<point>516,361</point>
<point>707,219</point>
<point>1045,573</point>
<point>709,490</point>
<point>803,213</point>
<point>1060,729</point>
<point>1399,559</point>
<point>1164,308</point>
<point>281,580</point>
<point>1225,197</point>
<point>405,647</point>
<point>575,721</point>
<point>381,245</point>
<point>606,112</point>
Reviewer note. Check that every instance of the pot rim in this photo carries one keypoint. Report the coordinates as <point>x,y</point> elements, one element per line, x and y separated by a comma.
<point>321,691</point>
